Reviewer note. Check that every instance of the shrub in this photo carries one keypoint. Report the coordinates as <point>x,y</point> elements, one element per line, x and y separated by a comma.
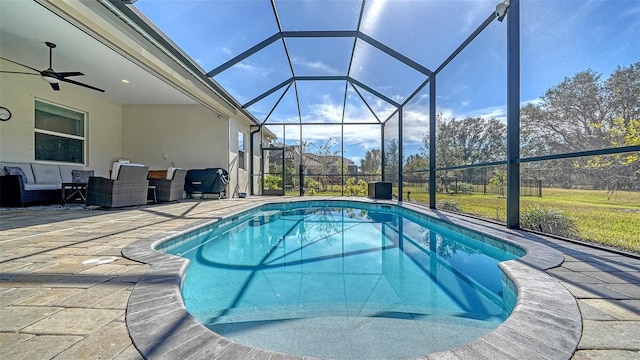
<point>353,188</point>
<point>548,221</point>
<point>311,183</point>
<point>460,188</point>
<point>498,182</point>
<point>272,182</point>
<point>448,205</point>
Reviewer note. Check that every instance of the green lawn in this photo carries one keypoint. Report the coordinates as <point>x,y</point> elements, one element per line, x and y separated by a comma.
<point>598,216</point>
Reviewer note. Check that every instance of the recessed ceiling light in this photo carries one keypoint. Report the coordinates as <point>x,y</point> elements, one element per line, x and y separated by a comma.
<point>125,81</point>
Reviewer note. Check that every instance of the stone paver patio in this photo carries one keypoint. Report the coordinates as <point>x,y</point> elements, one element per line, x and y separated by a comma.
<point>54,306</point>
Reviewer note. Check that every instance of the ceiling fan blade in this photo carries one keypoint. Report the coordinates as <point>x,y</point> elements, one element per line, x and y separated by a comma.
<point>70,73</point>
<point>55,86</point>
<point>17,63</point>
<point>17,72</point>
<point>81,84</point>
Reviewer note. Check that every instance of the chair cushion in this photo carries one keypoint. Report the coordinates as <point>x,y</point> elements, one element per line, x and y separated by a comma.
<point>170,172</point>
<point>46,174</point>
<point>81,176</point>
<point>29,187</point>
<point>14,170</point>
<point>116,167</point>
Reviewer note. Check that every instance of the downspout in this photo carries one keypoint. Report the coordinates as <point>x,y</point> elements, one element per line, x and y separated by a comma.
<point>258,129</point>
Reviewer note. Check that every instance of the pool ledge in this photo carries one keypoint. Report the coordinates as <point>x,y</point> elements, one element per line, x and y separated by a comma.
<point>545,323</point>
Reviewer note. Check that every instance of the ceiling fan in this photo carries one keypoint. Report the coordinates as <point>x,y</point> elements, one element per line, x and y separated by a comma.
<point>51,76</point>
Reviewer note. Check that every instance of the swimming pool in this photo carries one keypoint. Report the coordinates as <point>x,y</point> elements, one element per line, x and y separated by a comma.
<point>544,323</point>
<point>333,276</point>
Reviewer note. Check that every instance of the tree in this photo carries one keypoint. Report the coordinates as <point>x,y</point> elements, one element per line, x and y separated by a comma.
<point>566,118</point>
<point>391,160</point>
<point>371,164</point>
<point>327,159</point>
<point>583,113</point>
<point>498,181</point>
<point>416,162</point>
<point>620,171</point>
<point>623,88</point>
<point>466,141</point>
<point>470,140</point>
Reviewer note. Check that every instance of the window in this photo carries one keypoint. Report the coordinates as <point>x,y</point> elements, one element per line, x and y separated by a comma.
<point>241,150</point>
<point>59,134</point>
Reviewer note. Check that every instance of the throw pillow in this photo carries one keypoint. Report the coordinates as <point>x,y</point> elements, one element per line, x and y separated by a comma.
<point>81,176</point>
<point>14,170</point>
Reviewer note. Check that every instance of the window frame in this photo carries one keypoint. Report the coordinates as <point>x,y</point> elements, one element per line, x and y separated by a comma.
<point>82,138</point>
<point>241,151</point>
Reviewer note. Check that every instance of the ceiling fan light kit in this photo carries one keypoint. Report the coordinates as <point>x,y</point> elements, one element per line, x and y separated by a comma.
<point>5,114</point>
<point>50,79</point>
<point>51,76</point>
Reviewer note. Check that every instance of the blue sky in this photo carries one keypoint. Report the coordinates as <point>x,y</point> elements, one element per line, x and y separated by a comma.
<point>558,39</point>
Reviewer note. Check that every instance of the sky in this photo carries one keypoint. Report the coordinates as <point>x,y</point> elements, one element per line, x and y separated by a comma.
<point>559,38</point>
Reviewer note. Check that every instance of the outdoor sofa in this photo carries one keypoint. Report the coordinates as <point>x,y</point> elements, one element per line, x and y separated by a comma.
<point>27,183</point>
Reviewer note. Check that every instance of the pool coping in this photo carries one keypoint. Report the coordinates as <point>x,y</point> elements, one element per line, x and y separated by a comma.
<point>545,322</point>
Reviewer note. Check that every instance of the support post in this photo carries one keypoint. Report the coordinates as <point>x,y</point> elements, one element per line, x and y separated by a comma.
<point>301,169</point>
<point>432,141</point>
<point>400,142</point>
<point>382,151</point>
<point>513,115</point>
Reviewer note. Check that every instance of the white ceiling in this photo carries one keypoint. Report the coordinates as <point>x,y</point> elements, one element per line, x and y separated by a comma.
<point>26,25</point>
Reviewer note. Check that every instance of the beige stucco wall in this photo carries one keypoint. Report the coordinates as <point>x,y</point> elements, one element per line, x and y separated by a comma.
<point>192,136</point>
<point>239,177</point>
<point>18,93</point>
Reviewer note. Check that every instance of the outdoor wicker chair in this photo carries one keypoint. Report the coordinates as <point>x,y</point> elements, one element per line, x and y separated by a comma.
<point>171,188</point>
<point>128,189</point>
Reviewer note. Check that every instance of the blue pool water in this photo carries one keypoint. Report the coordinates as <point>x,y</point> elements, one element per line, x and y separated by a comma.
<point>345,280</point>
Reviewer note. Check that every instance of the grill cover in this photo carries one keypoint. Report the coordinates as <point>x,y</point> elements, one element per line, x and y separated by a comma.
<point>208,181</point>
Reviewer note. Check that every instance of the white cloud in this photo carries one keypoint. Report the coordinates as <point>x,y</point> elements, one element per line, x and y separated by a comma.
<point>535,102</point>
<point>252,69</point>
<point>476,11</point>
<point>398,98</point>
<point>356,159</point>
<point>318,66</point>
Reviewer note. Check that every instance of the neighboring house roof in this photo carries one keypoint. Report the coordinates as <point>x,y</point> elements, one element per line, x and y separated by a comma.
<point>311,160</point>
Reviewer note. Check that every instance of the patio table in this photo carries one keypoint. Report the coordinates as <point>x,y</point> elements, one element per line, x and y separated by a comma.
<point>73,191</point>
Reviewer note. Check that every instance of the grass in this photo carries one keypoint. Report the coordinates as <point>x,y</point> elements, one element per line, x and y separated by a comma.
<point>598,216</point>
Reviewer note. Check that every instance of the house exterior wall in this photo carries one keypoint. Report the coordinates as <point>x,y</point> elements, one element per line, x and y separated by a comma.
<point>239,178</point>
<point>18,93</point>
<point>191,136</point>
